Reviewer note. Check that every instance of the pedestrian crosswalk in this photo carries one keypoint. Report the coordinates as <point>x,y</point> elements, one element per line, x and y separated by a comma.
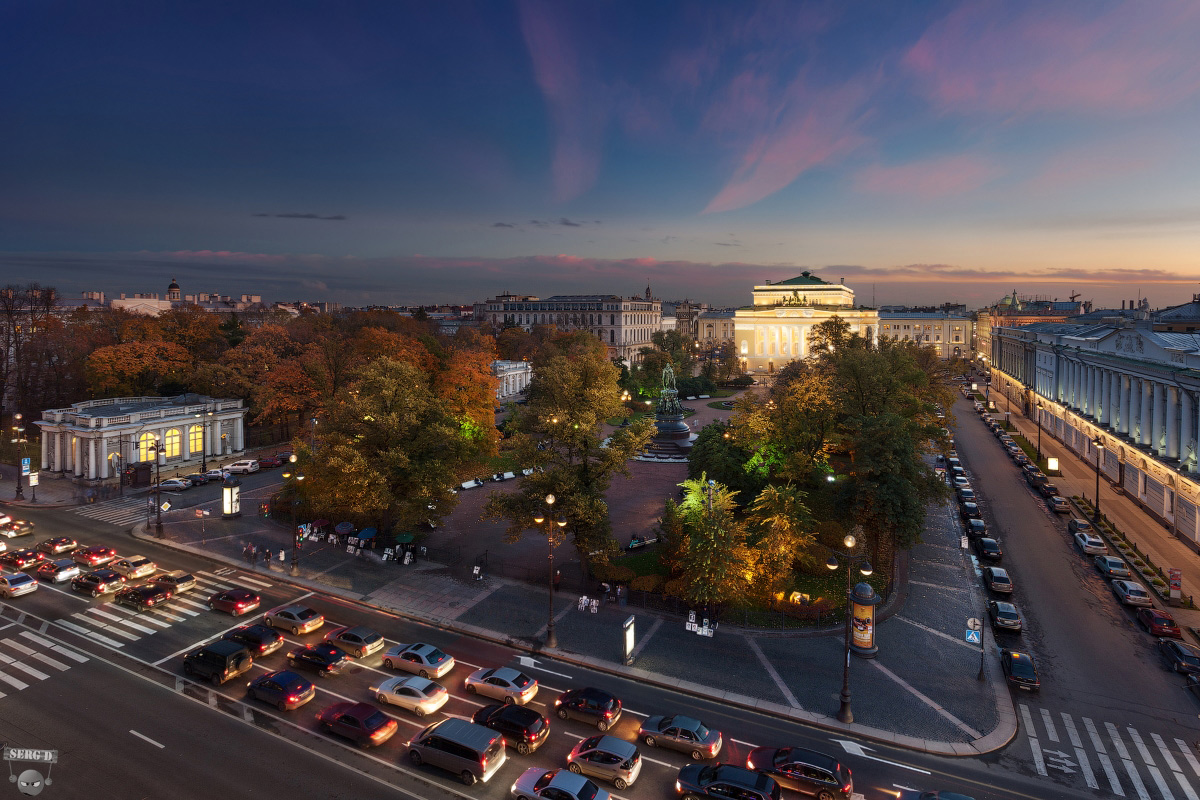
<point>124,511</point>
<point>1127,762</point>
<point>115,625</point>
<point>26,658</point>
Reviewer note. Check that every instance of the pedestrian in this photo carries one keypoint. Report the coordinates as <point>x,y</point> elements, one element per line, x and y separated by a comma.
<point>266,558</point>
<point>253,554</point>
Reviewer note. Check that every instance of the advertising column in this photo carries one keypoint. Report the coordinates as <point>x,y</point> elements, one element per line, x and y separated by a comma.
<point>863,601</point>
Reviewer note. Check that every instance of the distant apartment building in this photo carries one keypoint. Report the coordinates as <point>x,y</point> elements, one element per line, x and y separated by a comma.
<point>623,324</point>
<point>777,328</point>
<point>949,334</point>
<point>1014,311</point>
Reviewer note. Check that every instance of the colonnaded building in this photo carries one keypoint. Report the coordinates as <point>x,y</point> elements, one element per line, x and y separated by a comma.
<point>778,327</point>
<point>1120,388</point>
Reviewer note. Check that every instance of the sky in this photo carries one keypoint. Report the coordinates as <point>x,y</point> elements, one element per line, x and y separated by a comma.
<point>414,152</point>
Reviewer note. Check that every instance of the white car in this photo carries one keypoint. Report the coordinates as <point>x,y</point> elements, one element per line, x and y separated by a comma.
<point>215,475</point>
<point>1131,594</point>
<point>417,694</point>
<point>174,485</point>
<point>1090,544</point>
<point>423,659</point>
<point>134,567</point>
<point>242,467</point>
<point>504,684</point>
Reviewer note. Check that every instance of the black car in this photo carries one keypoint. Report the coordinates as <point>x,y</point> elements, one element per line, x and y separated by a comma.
<point>1047,489</point>
<point>523,728</point>
<point>593,706</point>
<point>976,527</point>
<point>98,582</point>
<point>969,511</point>
<point>1179,656</point>
<point>725,781</point>
<point>989,549</point>
<point>196,478</point>
<point>1019,670</point>
<point>808,772</point>
<point>325,659</point>
<point>258,639</point>
<point>285,690</point>
<point>142,597</point>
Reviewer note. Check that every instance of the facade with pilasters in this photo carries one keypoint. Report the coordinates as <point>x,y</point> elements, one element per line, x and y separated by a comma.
<point>1120,382</point>
<point>95,439</point>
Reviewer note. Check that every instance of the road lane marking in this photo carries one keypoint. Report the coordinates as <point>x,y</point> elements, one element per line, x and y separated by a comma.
<point>958,723</point>
<point>28,670</point>
<point>531,663</point>
<point>1051,731</point>
<point>187,601</point>
<point>1187,754</point>
<point>251,581</point>
<point>783,687</point>
<point>100,613</point>
<point>1151,767</point>
<point>860,750</point>
<point>1130,767</point>
<point>1031,734</point>
<point>79,659</point>
<point>1166,754</point>
<point>1102,755</point>
<point>1080,755</point>
<point>146,738</point>
<point>13,682</point>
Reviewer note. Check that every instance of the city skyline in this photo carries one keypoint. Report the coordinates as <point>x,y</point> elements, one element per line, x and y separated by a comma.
<point>400,153</point>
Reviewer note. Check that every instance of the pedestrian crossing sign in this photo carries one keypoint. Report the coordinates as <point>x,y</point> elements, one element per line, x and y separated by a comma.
<point>973,637</point>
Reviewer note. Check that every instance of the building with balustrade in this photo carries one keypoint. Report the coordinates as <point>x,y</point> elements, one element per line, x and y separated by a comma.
<point>777,328</point>
<point>947,333</point>
<point>1121,387</point>
<point>512,377</point>
<point>96,439</point>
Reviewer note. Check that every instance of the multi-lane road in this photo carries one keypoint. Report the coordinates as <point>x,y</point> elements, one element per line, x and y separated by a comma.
<point>104,686</point>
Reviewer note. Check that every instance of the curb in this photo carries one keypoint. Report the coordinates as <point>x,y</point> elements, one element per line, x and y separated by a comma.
<point>1004,732</point>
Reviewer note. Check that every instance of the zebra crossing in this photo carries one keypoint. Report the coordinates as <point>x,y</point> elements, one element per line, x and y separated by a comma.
<point>1121,756</point>
<point>115,625</point>
<point>124,511</point>
<point>27,657</point>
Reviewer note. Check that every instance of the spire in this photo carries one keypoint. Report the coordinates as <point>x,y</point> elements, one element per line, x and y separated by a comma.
<point>648,295</point>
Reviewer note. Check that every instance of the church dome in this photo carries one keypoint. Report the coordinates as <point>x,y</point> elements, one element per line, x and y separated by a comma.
<point>173,286</point>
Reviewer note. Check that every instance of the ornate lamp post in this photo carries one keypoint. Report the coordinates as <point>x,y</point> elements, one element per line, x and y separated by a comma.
<point>295,502</point>
<point>844,713</point>
<point>19,440</point>
<point>625,403</point>
<point>1099,445</point>
<point>1039,422</point>
<point>156,449</point>
<point>547,515</point>
<point>205,421</point>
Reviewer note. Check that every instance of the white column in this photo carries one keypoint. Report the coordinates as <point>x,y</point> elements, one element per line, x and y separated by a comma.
<point>1186,417</point>
<point>75,466</point>
<point>1170,409</point>
<point>45,451</point>
<point>102,467</point>
<point>239,434</point>
<point>1123,388</point>
<point>1156,417</point>
<point>1144,438</point>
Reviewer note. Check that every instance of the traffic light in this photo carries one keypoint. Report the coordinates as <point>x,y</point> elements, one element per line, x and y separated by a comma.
<point>264,509</point>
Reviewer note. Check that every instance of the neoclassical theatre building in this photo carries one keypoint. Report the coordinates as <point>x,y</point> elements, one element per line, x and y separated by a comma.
<point>778,327</point>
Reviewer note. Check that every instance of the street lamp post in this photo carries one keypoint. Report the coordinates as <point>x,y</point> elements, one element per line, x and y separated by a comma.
<point>547,515</point>
<point>156,448</point>
<point>625,397</point>
<point>313,440</point>
<point>294,502</point>
<point>845,714</point>
<point>19,440</point>
<point>205,421</point>
<point>1039,423</point>
<point>1099,445</point>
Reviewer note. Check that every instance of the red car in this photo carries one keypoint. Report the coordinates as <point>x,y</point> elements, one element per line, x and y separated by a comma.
<point>94,556</point>
<point>1158,623</point>
<point>20,559</point>
<point>234,601</point>
<point>362,722</point>
<point>270,461</point>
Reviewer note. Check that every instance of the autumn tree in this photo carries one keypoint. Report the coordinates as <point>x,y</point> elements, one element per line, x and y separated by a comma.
<point>717,454</point>
<point>195,330</point>
<point>783,530</point>
<point>560,433</point>
<point>135,368</point>
<point>788,432</point>
<point>717,567</point>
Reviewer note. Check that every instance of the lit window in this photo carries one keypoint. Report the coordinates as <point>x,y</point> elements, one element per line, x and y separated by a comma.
<point>172,443</point>
<point>145,447</point>
<point>196,438</point>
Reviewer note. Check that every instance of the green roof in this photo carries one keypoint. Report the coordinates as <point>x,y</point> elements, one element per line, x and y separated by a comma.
<point>805,279</point>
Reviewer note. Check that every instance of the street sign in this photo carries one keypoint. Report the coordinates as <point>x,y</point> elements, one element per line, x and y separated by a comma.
<point>33,478</point>
<point>973,637</point>
<point>166,505</point>
<point>974,624</point>
<point>963,543</point>
<point>24,466</point>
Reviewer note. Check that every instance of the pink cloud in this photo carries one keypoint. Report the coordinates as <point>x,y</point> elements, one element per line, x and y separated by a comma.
<point>1108,161</point>
<point>1097,58</point>
<point>927,179</point>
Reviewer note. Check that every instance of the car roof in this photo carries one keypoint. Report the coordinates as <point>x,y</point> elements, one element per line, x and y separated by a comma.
<point>998,572</point>
<point>1003,605</point>
<point>415,681</point>
<point>680,721</point>
<point>812,757</point>
<point>505,673</point>
<point>568,781</point>
<point>618,747</point>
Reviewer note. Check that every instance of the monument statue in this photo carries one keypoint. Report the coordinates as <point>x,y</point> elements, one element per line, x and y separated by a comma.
<point>668,398</point>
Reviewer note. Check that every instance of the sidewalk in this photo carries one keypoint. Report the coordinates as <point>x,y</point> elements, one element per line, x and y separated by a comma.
<point>1079,478</point>
<point>921,691</point>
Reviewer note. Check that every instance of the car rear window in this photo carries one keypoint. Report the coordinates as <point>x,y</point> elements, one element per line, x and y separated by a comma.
<point>493,750</point>
<point>521,681</point>
<point>376,720</point>
<point>19,580</point>
<point>587,791</point>
<point>305,613</point>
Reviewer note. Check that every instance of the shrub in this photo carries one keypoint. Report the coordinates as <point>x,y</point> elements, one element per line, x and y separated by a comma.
<point>1137,562</point>
<point>647,583</point>
<point>1159,582</point>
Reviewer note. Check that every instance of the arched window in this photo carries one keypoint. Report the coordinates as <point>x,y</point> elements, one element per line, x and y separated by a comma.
<point>145,445</point>
<point>172,443</point>
<point>196,439</point>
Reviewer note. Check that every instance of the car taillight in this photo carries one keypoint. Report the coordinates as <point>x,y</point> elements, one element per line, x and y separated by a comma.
<point>241,605</point>
<point>608,714</point>
<point>391,724</point>
<point>293,698</point>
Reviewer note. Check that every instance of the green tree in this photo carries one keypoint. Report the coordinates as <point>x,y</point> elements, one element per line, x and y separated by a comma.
<point>717,566</point>
<point>716,453</point>
<point>560,432</point>
<point>784,530</point>
<point>389,452</point>
<point>789,432</point>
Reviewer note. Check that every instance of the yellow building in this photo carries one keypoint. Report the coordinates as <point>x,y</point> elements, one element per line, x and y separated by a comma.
<point>777,328</point>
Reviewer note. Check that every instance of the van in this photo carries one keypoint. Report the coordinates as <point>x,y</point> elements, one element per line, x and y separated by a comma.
<point>471,751</point>
<point>218,662</point>
<point>242,467</point>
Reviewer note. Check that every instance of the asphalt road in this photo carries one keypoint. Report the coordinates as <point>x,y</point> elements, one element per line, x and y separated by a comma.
<point>214,742</point>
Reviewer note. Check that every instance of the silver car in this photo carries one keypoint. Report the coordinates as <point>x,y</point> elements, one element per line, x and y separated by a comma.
<point>134,567</point>
<point>16,584</point>
<point>418,695</point>
<point>420,658</point>
<point>1112,567</point>
<point>996,579</point>
<point>504,684</point>
<point>1090,544</point>
<point>555,784</point>
<point>608,758</point>
<point>358,641</point>
<point>1131,594</point>
<point>685,734</point>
